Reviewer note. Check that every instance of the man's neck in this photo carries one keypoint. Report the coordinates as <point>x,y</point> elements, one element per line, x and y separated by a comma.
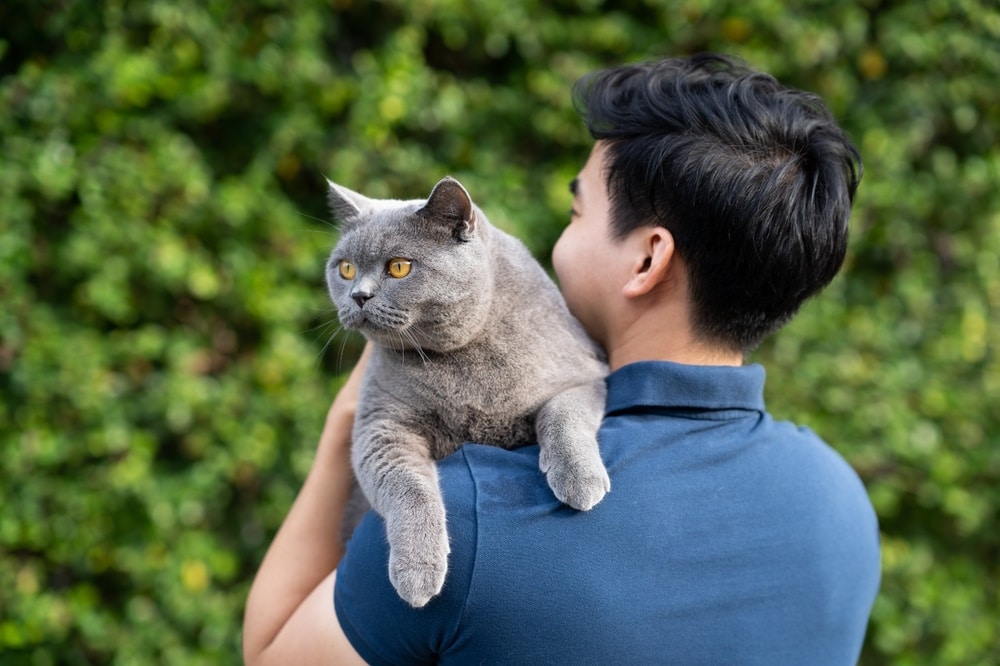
<point>646,340</point>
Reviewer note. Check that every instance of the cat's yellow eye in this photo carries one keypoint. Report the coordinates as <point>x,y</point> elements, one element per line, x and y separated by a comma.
<point>346,269</point>
<point>398,267</point>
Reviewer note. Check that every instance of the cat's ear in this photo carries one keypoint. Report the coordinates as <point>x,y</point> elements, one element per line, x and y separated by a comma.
<point>346,205</point>
<point>450,203</point>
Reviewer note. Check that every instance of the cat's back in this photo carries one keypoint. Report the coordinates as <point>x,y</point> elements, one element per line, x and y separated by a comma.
<point>531,319</point>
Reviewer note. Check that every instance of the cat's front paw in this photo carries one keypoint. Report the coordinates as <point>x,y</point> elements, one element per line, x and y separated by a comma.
<point>579,481</point>
<point>418,562</point>
<point>417,582</point>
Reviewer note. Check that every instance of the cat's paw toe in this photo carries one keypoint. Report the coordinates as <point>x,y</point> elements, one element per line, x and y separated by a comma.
<point>579,486</point>
<point>417,582</point>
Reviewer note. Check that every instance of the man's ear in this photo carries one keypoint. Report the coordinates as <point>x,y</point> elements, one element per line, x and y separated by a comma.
<point>654,253</point>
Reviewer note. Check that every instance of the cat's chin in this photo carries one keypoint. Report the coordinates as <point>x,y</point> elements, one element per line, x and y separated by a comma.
<point>400,340</point>
<point>390,338</point>
<point>395,342</point>
<point>372,324</point>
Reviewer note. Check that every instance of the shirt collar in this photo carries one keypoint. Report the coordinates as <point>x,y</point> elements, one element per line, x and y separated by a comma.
<point>663,384</point>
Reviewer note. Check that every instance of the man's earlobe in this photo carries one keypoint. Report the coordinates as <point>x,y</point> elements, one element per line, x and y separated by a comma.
<point>654,253</point>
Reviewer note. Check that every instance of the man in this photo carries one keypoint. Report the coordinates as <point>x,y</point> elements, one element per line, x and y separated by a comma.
<point>713,204</point>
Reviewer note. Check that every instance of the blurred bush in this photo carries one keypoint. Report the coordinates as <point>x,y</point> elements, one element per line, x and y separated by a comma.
<point>167,351</point>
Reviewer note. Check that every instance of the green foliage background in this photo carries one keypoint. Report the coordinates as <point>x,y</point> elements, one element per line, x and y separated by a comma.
<point>167,352</point>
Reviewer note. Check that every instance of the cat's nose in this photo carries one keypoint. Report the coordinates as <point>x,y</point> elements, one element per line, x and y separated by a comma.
<point>360,297</point>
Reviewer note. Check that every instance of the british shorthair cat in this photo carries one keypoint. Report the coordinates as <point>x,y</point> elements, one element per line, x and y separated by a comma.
<point>472,342</point>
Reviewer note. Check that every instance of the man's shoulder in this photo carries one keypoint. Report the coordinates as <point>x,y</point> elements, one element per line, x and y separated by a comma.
<point>822,498</point>
<point>479,476</point>
<point>811,455</point>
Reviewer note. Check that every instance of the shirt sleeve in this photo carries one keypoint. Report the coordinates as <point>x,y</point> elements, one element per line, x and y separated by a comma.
<point>382,627</point>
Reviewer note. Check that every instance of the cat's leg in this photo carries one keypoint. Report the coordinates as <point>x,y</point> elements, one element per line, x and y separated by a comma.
<point>567,436</point>
<point>396,472</point>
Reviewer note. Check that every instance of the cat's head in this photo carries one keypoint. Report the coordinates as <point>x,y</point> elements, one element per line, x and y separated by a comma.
<point>411,274</point>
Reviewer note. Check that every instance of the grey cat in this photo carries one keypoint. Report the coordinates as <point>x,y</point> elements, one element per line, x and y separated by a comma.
<point>471,342</point>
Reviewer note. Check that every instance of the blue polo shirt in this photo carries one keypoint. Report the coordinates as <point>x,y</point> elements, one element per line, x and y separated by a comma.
<point>727,538</point>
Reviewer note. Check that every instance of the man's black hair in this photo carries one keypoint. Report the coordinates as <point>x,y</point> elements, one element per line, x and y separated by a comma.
<point>754,180</point>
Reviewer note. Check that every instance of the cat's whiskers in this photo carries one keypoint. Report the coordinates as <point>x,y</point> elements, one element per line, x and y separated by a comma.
<point>412,339</point>
<point>323,328</point>
<point>343,345</point>
<point>317,219</point>
<point>402,348</point>
<point>332,330</point>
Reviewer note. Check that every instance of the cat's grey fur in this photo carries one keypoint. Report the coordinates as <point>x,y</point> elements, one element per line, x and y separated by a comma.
<point>474,344</point>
